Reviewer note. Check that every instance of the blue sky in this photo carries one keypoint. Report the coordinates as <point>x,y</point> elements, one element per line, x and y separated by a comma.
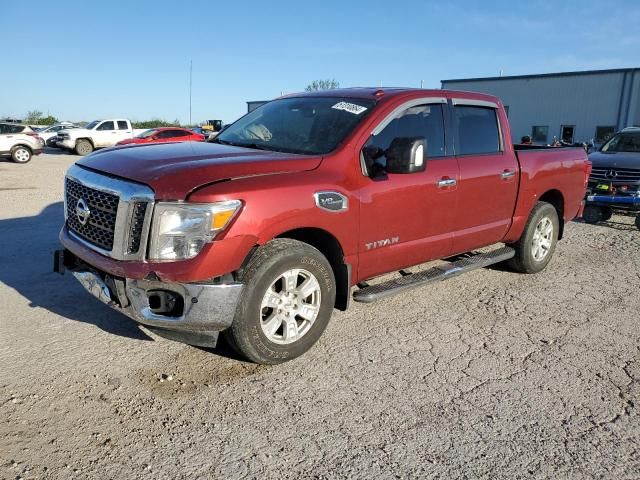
<point>81,60</point>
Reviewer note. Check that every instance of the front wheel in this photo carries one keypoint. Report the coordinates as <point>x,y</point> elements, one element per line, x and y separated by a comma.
<point>538,242</point>
<point>84,147</point>
<point>593,214</point>
<point>286,303</point>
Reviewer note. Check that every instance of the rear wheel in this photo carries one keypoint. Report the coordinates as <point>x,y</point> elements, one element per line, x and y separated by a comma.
<point>607,213</point>
<point>21,154</point>
<point>538,242</point>
<point>592,214</point>
<point>286,303</point>
<point>84,147</point>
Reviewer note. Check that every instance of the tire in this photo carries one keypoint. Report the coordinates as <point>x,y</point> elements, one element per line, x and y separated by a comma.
<point>607,213</point>
<point>592,214</point>
<point>83,147</point>
<point>277,326</point>
<point>21,154</point>
<point>537,243</point>
<point>638,221</point>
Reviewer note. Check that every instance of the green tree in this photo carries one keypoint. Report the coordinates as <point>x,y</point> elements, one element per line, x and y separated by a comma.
<point>317,85</point>
<point>48,120</point>
<point>33,117</point>
<point>155,123</point>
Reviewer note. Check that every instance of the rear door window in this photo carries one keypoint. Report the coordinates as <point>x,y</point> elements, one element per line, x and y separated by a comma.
<point>122,125</point>
<point>8,128</point>
<point>477,130</point>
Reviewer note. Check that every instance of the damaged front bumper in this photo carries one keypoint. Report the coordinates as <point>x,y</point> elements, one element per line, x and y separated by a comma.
<point>192,313</point>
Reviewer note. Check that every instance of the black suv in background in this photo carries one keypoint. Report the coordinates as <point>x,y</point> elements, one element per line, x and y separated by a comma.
<point>614,184</point>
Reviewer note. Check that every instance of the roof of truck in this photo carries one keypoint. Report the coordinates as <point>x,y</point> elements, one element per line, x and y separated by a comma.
<point>389,92</point>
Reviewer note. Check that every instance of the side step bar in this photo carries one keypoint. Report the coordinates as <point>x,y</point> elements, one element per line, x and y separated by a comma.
<point>372,293</point>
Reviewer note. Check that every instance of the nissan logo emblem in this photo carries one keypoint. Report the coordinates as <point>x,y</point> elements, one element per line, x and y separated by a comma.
<point>82,212</point>
<point>611,174</point>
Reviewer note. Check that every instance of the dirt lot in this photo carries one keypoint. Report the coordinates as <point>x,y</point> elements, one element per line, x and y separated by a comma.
<point>491,375</point>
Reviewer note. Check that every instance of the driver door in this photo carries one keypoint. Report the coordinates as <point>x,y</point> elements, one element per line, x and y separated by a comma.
<point>105,134</point>
<point>406,219</point>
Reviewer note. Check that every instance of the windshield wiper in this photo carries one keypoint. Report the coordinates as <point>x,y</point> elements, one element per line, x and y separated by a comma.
<point>255,146</point>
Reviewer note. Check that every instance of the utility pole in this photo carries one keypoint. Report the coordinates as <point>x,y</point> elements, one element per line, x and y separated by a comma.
<point>421,83</point>
<point>190,85</point>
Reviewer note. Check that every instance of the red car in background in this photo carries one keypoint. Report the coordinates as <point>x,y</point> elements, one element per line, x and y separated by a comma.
<point>165,134</point>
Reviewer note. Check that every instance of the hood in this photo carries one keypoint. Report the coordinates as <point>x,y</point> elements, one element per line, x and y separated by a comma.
<point>74,131</point>
<point>173,170</point>
<point>615,159</point>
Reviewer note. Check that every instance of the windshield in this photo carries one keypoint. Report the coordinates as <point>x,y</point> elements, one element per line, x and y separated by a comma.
<point>147,134</point>
<point>623,142</point>
<point>91,125</point>
<point>306,125</point>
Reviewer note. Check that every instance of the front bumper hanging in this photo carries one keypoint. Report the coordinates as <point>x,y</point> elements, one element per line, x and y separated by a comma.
<point>192,313</point>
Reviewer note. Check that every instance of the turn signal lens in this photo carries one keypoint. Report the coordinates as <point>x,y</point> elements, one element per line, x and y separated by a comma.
<point>221,218</point>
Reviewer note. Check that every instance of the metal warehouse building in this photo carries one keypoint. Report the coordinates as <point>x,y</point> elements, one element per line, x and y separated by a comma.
<point>573,106</point>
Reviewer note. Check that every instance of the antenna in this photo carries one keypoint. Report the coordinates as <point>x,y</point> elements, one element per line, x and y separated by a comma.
<point>190,87</point>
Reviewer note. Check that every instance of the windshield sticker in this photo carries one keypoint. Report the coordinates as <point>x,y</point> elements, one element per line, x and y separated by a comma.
<point>349,107</point>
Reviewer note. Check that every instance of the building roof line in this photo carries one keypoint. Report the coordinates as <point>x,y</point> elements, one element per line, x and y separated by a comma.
<point>541,75</point>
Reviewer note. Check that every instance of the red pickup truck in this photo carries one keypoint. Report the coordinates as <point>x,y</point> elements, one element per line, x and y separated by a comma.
<point>298,205</point>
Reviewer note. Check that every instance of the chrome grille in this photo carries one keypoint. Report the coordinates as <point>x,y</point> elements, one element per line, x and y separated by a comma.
<point>103,206</point>
<point>615,174</point>
<point>119,213</point>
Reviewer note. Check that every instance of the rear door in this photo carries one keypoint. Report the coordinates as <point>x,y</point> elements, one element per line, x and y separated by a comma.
<point>123,130</point>
<point>405,219</point>
<point>489,175</point>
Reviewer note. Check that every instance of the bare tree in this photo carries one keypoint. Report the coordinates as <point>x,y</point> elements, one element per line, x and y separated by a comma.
<point>322,85</point>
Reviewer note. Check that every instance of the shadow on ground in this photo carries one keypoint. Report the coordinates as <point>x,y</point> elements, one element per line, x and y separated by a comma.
<point>614,223</point>
<point>26,265</point>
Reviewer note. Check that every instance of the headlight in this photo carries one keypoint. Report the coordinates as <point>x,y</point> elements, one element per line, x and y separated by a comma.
<point>180,230</point>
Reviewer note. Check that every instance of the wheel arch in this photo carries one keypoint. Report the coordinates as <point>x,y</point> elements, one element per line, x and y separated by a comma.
<point>330,247</point>
<point>20,144</point>
<point>556,199</point>
<point>88,139</point>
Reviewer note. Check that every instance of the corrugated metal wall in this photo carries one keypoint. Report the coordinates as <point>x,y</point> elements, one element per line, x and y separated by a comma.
<point>583,100</point>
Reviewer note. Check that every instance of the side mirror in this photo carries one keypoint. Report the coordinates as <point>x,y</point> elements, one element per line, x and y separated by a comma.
<point>406,155</point>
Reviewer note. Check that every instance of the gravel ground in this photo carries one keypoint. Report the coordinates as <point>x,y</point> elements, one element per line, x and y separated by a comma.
<point>490,375</point>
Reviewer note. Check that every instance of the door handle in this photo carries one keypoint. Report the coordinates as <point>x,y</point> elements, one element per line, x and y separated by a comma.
<point>447,182</point>
<point>507,174</point>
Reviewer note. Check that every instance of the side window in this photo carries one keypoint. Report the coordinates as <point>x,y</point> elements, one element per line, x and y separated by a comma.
<point>540,133</point>
<point>477,130</point>
<point>421,121</point>
<point>106,126</point>
<point>168,134</point>
<point>122,125</point>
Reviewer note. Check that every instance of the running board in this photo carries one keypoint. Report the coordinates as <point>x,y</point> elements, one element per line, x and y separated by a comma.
<point>441,272</point>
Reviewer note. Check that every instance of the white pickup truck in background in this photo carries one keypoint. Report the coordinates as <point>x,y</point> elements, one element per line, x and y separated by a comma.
<point>96,134</point>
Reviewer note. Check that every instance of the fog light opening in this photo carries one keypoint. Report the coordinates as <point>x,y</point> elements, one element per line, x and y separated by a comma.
<point>166,303</point>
